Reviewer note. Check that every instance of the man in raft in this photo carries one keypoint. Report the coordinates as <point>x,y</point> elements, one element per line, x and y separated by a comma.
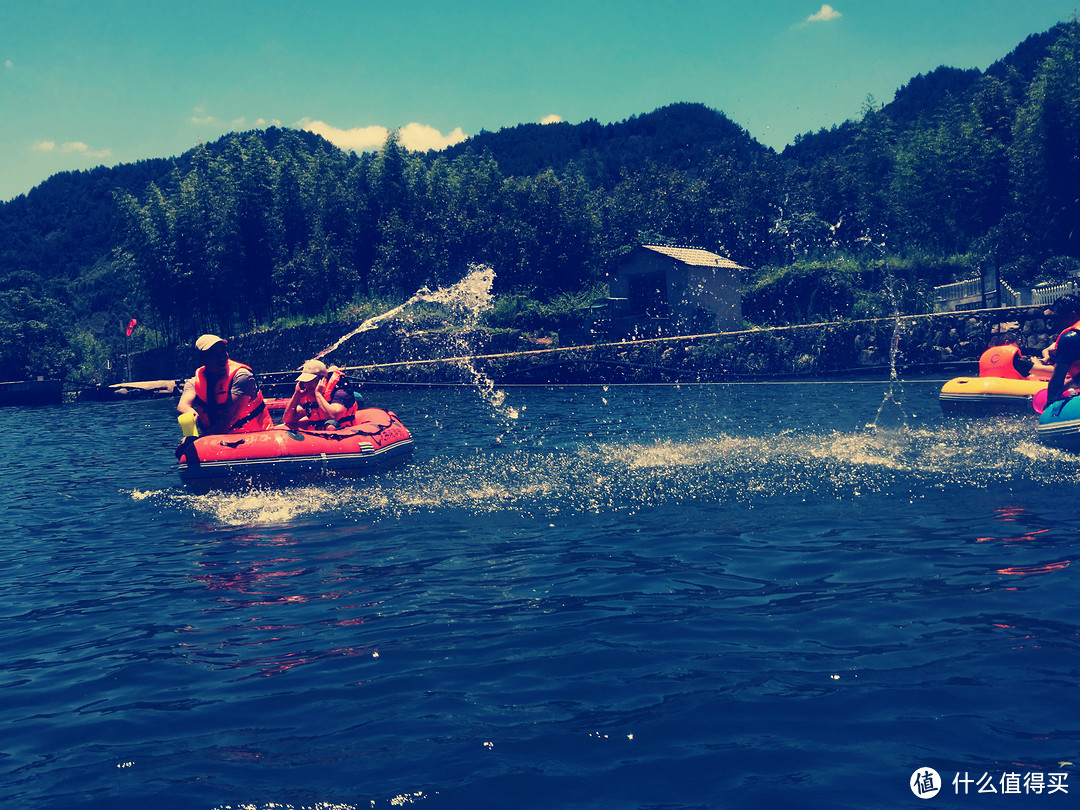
<point>323,395</point>
<point>1066,349</point>
<point>224,395</point>
<point>1009,362</point>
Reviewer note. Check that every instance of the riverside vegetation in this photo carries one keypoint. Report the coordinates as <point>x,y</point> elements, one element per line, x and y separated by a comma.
<point>272,229</point>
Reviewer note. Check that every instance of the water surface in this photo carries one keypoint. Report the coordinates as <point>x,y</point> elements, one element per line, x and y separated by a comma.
<point>595,597</point>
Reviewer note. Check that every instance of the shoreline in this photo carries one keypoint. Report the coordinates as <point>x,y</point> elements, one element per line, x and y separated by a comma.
<point>915,345</point>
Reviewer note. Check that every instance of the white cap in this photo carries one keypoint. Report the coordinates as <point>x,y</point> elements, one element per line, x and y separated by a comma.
<point>207,342</point>
<point>311,370</point>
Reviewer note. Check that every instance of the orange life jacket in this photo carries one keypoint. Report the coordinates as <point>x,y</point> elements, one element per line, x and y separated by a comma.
<point>997,361</point>
<point>209,404</point>
<point>316,414</point>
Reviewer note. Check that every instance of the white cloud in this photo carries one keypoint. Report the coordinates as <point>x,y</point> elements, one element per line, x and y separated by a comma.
<point>359,139</point>
<point>421,137</point>
<point>201,117</point>
<point>9,64</point>
<point>413,136</point>
<point>71,148</point>
<point>826,13</point>
<point>551,119</point>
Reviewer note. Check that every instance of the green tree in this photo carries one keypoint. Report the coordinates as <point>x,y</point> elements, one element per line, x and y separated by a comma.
<point>254,225</point>
<point>1045,154</point>
<point>947,188</point>
<point>148,254</point>
<point>34,337</point>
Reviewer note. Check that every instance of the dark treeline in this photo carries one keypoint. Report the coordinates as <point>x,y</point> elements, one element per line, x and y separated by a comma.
<point>963,168</point>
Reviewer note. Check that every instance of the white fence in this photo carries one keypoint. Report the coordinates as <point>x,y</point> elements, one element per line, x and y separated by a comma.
<point>958,291</point>
<point>970,290</point>
<point>1043,296</point>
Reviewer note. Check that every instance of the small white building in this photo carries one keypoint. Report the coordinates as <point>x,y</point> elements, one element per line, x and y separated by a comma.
<point>690,287</point>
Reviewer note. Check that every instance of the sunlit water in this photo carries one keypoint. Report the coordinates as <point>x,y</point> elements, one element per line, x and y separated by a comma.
<point>697,597</point>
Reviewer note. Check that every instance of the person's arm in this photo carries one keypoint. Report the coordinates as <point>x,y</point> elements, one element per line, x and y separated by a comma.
<point>1068,352</point>
<point>333,410</point>
<point>290,417</point>
<point>1031,367</point>
<point>187,404</point>
<point>1040,370</point>
<point>187,398</point>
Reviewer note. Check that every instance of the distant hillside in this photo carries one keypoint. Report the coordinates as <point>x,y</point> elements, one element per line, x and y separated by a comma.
<point>71,221</point>
<point>963,169</point>
<point>925,96</point>
<point>681,136</point>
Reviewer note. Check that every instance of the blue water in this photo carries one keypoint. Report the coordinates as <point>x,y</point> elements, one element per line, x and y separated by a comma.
<point>625,597</point>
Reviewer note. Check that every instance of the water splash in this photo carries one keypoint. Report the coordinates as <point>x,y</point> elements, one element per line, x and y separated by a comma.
<point>471,296</point>
<point>255,506</point>
<point>369,324</point>
<point>891,418</point>
<point>890,414</point>
<point>617,476</point>
<point>468,300</point>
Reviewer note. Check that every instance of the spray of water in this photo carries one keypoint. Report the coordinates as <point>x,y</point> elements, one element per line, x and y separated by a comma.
<point>628,475</point>
<point>890,416</point>
<point>468,300</point>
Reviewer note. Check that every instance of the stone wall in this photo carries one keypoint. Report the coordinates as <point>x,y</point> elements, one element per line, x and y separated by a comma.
<point>407,353</point>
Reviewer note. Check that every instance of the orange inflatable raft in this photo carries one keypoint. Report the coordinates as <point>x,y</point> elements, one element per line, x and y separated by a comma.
<point>999,386</point>
<point>376,440</point>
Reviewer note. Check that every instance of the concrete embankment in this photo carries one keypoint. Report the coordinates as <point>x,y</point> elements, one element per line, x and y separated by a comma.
<point>400,352</point>
<point>30,392</point>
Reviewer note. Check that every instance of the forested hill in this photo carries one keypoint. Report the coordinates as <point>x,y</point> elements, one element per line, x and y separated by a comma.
<point>962,169</point>
<point>71,221</point>
<point>681,136</point>
<point>931,95</point>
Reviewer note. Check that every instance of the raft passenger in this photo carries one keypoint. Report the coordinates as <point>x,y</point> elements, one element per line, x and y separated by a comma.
<point>1008,361</point>
<point>224,394</point>
<point>1066,349</point>
<point>325,397</point>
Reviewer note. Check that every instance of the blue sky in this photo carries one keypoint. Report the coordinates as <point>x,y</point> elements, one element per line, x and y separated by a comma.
<point>85,83</point>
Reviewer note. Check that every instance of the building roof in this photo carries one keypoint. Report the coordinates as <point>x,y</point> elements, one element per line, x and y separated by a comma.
<point>696,257</point>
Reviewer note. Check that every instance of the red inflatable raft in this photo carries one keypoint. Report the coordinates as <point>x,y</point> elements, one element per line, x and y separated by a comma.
<point>376,440</point>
